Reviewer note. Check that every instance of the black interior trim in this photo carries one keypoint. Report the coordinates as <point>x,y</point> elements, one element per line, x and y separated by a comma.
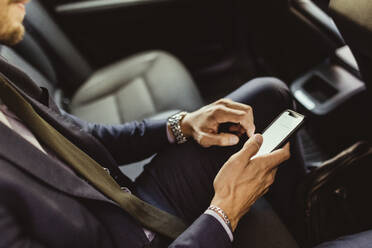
<point>309,12</point>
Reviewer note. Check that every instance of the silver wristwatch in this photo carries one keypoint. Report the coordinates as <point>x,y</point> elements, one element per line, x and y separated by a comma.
<point>174,122</point>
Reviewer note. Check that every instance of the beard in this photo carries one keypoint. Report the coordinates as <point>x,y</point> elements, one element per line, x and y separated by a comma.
<point>13,36</point>
<point>15,1</point>
<point>11,27</point>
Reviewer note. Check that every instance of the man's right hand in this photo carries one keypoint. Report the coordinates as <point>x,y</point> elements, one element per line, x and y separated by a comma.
<point>242,181</point>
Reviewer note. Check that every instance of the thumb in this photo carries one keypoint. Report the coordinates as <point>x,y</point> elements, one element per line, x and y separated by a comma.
<point>221,139</point>
<point>251,147</point>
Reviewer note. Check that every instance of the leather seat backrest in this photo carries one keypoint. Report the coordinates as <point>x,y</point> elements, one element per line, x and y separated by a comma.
<point>13,58</point>
<point>354,19</point>
<point>49,50</point>
<point>29,50</point>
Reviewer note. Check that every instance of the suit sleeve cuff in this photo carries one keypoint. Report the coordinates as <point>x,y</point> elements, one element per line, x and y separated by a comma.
<point>220,220</point>
<point>170,137</point>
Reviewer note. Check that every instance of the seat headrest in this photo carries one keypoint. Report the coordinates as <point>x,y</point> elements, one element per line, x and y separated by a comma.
<point>67,61</point>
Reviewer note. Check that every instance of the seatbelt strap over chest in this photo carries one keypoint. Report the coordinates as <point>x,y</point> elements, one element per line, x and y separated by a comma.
<point>148,215</point>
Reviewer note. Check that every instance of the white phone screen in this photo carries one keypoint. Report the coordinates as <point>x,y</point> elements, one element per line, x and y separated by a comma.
<point>278,131</point>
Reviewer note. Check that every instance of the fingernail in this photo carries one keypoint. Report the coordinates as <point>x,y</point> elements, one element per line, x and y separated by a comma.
<point>233,140</point>
<point>258,138</point>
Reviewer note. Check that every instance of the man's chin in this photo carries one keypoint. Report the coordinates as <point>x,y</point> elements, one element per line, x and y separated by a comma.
<point>14,36</point>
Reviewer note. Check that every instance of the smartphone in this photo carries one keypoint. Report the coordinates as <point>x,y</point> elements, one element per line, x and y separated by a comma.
<point>279,131</point>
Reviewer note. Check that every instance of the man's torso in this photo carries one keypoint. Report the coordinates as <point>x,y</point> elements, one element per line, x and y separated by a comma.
<point>50,205</point>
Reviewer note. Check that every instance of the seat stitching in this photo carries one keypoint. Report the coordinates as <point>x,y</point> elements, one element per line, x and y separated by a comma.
<point>118,108</point>
<point>148,87</point>
<point>91,100</point>
<point>116,97</point>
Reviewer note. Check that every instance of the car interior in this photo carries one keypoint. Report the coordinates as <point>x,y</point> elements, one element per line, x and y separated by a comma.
<point>113,61</point>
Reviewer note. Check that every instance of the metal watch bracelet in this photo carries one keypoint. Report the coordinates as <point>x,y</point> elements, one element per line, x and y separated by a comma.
<point>174,122</point>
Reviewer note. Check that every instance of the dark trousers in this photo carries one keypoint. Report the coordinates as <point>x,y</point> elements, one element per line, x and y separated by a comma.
<point>180,179</point>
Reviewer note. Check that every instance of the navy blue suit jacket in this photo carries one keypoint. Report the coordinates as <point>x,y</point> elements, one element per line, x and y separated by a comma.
<point>42,204</point>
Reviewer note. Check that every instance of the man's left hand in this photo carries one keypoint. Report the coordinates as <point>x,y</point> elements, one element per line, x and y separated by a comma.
<point>204,123</point>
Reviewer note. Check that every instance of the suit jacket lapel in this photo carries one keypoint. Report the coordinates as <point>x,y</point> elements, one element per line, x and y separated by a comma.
<point>43,167</point>
<point>46,107</point>
<point>85,141</point>
<point>19,151</point>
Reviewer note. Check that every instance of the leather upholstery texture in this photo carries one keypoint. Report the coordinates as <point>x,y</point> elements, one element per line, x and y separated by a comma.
<point>18,61</point>
<point>65,55</point>
<point>136,88</point>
